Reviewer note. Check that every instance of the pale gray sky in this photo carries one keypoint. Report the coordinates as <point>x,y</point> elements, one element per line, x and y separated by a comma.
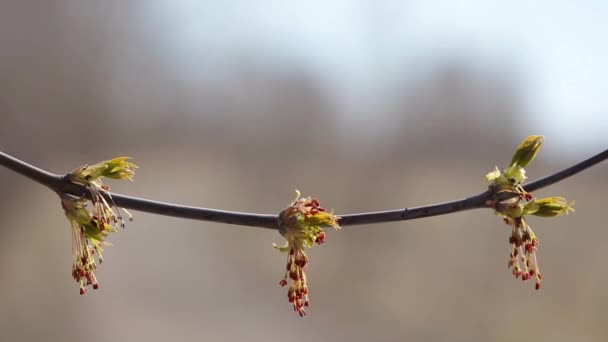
<point>556,49</point>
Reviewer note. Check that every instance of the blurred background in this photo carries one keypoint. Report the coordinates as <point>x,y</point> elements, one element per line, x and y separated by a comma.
<point>367,105</point>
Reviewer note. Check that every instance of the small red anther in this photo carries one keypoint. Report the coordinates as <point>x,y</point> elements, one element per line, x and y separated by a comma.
<point>301,262</point>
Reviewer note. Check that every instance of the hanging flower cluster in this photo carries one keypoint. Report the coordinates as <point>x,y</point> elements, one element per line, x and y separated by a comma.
<point>91,227</point>
<point>524,243</point>
<point>302,226</point>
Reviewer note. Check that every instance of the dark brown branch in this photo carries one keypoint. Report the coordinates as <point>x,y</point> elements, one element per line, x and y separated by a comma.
<point>571,171</point>
<point>58,184</point>
<point>41,176</point>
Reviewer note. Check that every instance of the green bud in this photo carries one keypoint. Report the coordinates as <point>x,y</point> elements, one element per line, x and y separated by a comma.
<point>117,168</point>
<point>527,150</point>
<point>548,207</point>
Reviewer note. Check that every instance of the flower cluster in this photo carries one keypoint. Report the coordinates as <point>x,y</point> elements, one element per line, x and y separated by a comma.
<point>302,226</point>
<point>91,227</point>
<point>524,243</point>
<point>91,176</point>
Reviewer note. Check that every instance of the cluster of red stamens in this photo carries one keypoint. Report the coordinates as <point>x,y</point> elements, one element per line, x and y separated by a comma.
<point>88,237</point>
<point>84,271</point>
<point>297,262</point>
<point>524,243</point>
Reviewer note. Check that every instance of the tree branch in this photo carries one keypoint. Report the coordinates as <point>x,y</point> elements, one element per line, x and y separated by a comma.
<point>58,184</point>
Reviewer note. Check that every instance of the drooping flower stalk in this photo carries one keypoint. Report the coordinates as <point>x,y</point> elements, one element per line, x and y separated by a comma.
<point>302,226</point>
<point>90,228</point>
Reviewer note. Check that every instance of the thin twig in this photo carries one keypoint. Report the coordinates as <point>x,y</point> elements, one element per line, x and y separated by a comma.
<point>41,176</point>
<point>58,184</point>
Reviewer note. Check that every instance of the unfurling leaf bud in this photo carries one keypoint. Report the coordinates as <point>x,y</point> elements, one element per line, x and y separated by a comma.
<point>527,150</point>
<point>511,178</point>
<point>548,207</point>
<point>117,168</point>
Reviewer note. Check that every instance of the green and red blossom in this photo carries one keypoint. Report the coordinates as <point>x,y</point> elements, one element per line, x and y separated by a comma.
<point>90,228</point>
<point>524,243</point>
<point>302,226</point>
